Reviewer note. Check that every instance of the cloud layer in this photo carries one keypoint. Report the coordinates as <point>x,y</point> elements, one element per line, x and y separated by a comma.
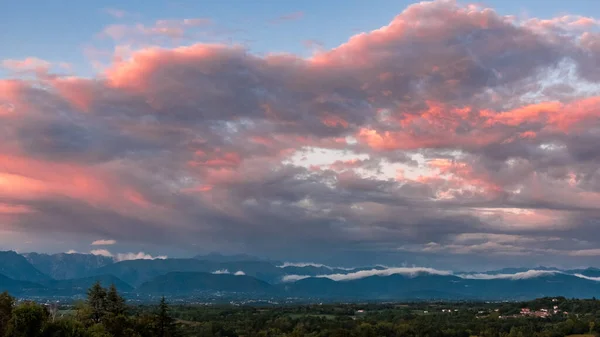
<point>126,256</point>
<point>104,242</point>
<point>407,271</point>
<point>416,271</point>
<point>225,271</point>
<point>450,131</point>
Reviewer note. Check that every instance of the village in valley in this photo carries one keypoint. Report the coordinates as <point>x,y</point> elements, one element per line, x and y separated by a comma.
<point>541,313</point>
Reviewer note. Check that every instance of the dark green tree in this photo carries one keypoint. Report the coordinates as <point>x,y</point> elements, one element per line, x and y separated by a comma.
<point>65,327</point>
<point>98,330</point>
<point>144,325</point>
<point>27,320</point>
<point>83,313</point>
<point>117,325</point>
<point>97,302</point>
<point>115,321</point>
<point>115,303</point>
<point>7,304</point>
<point>165,324</point>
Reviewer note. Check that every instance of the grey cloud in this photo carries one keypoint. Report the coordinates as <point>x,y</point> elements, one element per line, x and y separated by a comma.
<point>195,142</point>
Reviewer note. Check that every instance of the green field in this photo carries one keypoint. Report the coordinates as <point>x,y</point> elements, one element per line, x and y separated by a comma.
<point>298,316</point>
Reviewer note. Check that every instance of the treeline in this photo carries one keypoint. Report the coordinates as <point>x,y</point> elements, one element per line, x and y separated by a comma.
<point>411,319</point>
<point>276,322</point>
<point>103,314</point>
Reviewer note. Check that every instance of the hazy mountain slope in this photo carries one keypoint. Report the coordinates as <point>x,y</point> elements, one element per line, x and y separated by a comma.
<point>192,282</point>
<point>67,266</point>
<point>74,273</point>
<point>16,287</point>
<point>17,267</point>
<point>136,272</point>
<point>590,272</point>
<point>426,286</point>
<point>546,285</point>
<point>81,285</point>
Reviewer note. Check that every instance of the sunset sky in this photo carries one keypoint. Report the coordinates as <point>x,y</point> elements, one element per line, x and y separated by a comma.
<point>454,134</point>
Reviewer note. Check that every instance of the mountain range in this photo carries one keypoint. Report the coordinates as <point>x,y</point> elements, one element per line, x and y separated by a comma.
<point>243,276</point>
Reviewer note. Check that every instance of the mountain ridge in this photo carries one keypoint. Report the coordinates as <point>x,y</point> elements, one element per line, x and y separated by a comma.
<point>64,266</point>
<point>16,266</point>
<point>69,275</point>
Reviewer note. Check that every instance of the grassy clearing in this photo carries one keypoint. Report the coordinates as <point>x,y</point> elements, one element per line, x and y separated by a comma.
<point>181,321</point>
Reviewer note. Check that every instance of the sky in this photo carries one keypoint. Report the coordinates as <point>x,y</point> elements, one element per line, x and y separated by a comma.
<point>439,134</point>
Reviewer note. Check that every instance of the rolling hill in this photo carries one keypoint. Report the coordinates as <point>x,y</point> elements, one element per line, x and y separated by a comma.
<point>17,287</point>
<point>81,285</point>
<point>193,282</point>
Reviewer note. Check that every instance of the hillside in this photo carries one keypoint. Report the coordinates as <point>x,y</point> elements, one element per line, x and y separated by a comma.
<point>192,282</point>
<point>65,266</point>
<point>17,287</point>
<point>136,272</point>
<point>17,267</point>
<point>424,286</point>
<point>81,285</point>
<point>71,274</point>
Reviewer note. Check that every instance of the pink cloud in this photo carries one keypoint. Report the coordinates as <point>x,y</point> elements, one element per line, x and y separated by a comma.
<point>28,64</point>
<point>104,242</point>
<point>202,140</point>
<point>6,209</point>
